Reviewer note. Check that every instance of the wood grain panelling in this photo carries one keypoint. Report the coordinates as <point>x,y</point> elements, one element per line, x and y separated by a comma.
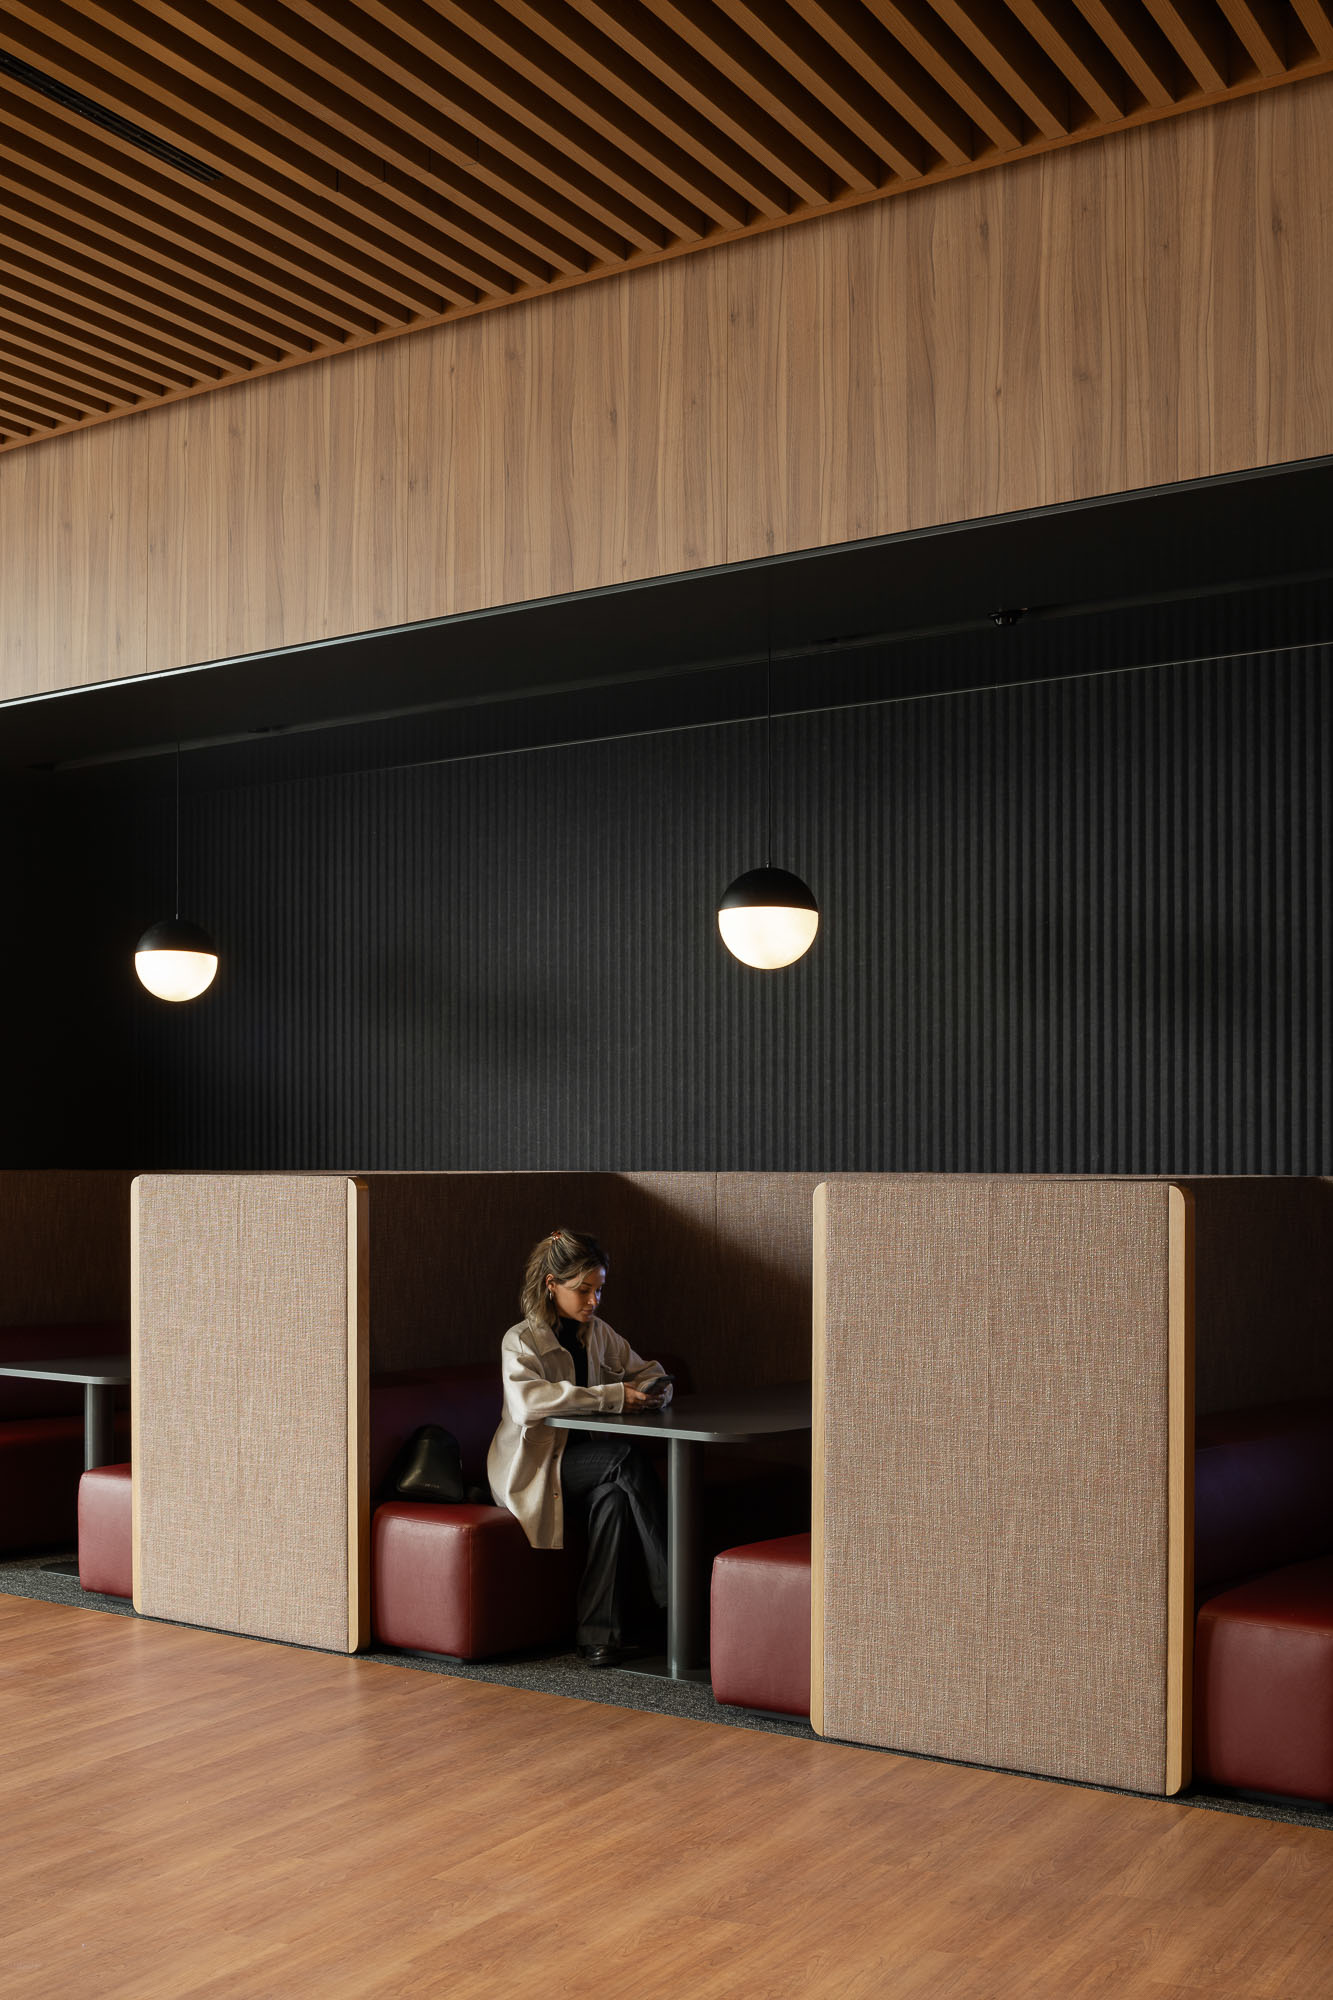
<point>64,1247</point>
<point>1103,318</point>
<point>557,451</point>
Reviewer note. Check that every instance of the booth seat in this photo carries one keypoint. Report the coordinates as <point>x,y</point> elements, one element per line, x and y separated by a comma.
<point>1263,1656</point>
<point>759,1652</point>
<point>460,1580</point>
<point>106,1560</point>
<point>41,1434</point>
<point>463,1580</point>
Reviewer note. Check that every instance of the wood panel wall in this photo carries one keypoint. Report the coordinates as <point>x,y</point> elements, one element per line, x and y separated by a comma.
<point>1152,308</point>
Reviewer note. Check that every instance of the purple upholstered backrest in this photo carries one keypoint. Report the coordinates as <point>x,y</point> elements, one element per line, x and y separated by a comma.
<point>464,1400</point>
<point>1263,1491</point>
<point>31,1397</point>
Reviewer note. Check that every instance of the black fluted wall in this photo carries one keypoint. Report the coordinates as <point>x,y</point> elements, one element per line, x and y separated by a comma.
<point>1081,925</point>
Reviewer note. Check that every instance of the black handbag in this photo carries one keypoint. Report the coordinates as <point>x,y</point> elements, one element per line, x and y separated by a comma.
<point>430,1467</point>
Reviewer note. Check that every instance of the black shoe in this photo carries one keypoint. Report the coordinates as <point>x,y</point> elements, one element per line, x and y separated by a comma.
<point>600,1656</point>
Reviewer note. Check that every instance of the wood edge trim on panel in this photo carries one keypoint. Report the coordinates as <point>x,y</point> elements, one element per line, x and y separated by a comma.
<point>1180,1489</point>
<point>818,1465</point>
<point>358,1415</point>
<point>136,1565</point>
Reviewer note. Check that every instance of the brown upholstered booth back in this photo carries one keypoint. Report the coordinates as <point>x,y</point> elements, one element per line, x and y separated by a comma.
<point>250,1388</point>
<point>1264,1290</point>
<point>64,1247</point>
<point>712,1266</point>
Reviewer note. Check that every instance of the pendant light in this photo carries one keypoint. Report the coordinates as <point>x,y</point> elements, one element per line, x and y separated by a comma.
<point>768,917</point>
<point>174,959</point>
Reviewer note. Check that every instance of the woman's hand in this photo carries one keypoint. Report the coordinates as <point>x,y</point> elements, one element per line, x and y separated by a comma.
<point>639,1399</point>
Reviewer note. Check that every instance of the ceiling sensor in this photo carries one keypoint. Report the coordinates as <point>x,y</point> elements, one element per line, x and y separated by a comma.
<point>1008,617</point>
<point>100,114</point>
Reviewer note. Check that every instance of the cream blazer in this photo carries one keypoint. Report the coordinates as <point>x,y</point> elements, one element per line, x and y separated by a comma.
<point>523,1464</point>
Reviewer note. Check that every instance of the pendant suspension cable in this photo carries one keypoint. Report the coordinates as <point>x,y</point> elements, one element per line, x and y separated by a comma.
<point>178,830</point>
<point>768,706</point>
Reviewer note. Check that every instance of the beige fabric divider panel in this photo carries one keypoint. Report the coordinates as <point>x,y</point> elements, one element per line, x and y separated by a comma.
<point>1001,1395</point>
<point>712,1266</point>
<point>249,1374</point>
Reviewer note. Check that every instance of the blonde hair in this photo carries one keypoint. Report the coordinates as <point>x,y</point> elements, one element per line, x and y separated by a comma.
<point>563,1255</point>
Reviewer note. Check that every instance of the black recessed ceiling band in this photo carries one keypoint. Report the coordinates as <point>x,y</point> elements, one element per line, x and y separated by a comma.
<point>101,114</point>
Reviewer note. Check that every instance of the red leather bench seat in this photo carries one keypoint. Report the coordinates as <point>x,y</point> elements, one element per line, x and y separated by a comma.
<point>1263,1653</point>
<point>106,1556</point>
<point>464,1581</point>
<point>760,1643</point>
<point>460,1580</point>
<point>1263,1684</point>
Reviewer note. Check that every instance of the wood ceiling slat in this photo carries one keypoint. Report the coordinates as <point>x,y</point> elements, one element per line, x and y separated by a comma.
<point>75,379</point>
<point>497,211</point>
<point>152,239</point>
<point>1262,28</point>
<point>13,412</point>
<point>313,253</point>
<point>1021,68</point>
<point>652,174</point>
<point>767,83</point>
<point>581,92</point>
<point>1138,45</point>
<point>243,147</point>
<point>555,25</point>
<point>864,98</point>
<point>68,364</point>
<point>40,398</point>
<point>1316,17</point>
<point>53,283</point>
<point>929,42</point>
<point>1074,49</point>
<point>195,298</point>
<point>145,374</point>
<point>681,69</point>
<point>387,69</point>
<point>1198,34</point>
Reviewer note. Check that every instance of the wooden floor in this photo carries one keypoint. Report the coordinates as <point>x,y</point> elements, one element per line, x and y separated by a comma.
<point>185,1814</point>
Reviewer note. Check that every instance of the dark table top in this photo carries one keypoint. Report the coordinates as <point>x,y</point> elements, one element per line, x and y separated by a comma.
<point>726,1416</point>
<point>102,1370</point>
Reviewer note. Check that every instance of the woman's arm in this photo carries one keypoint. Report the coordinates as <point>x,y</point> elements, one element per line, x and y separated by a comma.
<point>531,1397</point>
<point>631,1368</point>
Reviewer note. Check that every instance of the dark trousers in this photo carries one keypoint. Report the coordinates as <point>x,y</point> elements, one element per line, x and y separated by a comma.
<point>610,1484</point>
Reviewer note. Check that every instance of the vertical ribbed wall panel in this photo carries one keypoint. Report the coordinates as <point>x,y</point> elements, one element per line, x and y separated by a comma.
<point>1070,926</point>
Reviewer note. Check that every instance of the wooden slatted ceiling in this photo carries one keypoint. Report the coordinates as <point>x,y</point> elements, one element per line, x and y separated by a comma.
<point>191,194</point>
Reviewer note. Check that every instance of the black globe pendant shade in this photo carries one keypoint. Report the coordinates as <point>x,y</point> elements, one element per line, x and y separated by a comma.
<point>175,960</point>
<point>768,918</point>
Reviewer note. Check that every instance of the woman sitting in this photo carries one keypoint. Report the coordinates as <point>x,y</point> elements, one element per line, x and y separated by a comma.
<point>559,1359</point>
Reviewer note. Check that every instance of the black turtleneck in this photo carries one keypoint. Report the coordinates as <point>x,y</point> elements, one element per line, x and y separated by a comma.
<point>567,1333</point>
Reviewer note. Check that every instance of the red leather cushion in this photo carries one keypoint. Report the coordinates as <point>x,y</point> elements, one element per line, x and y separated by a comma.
<point>760,1645</point>
<point>105,1530</point>
<point>1263,1684</point>
<point>464,1581</point>
<point>1263,1491</point>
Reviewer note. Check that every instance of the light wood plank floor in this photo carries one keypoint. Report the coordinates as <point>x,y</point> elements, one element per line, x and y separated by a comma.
<point>184,1814</point>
